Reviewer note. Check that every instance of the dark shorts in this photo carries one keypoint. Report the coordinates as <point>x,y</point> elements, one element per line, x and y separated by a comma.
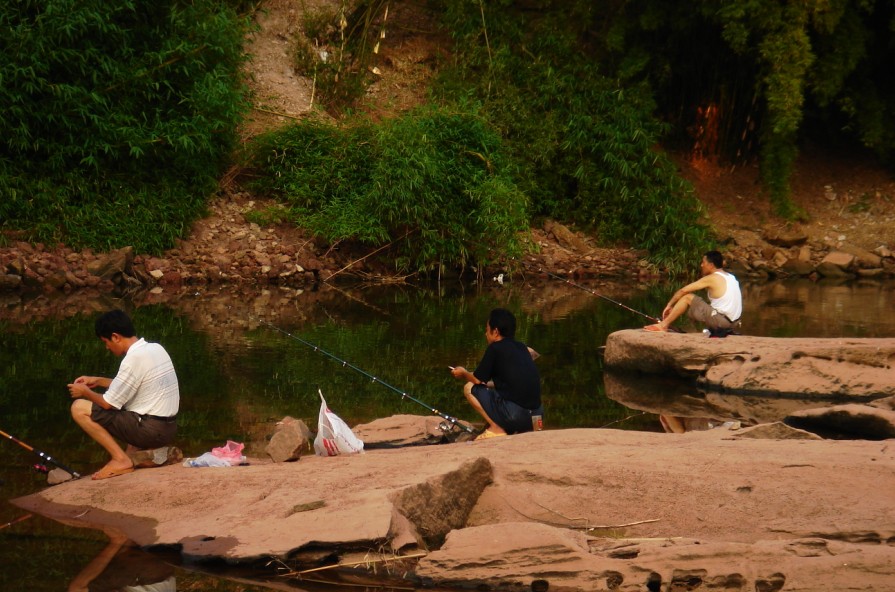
<point>141,431</point>
<point>511,417</point>
<point>702,312</point>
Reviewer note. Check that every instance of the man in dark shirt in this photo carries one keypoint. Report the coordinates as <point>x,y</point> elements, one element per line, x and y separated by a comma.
<point>505,388</point>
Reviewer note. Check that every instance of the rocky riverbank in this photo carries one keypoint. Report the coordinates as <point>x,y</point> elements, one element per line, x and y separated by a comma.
<point>226,248</point>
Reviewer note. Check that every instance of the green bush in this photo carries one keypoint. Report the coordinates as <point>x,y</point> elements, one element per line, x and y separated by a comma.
<point>586,142</point>
<point>434,182</point>
<point>118,117</point>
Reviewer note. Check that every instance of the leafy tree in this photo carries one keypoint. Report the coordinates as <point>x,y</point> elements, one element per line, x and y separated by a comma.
<point>117,116</point>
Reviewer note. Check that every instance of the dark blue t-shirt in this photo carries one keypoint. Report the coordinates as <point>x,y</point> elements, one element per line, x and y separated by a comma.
<point>508,363</point>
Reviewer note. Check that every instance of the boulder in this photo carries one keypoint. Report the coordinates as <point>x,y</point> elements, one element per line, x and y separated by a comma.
<point>785,237</point>
<point>797,267</point>
<point>853,369</point>
<point>863,257</point>
<point>109,265</point>
<point>290,440</point>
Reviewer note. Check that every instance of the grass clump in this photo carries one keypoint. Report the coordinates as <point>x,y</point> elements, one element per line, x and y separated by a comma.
<point>434,182</point>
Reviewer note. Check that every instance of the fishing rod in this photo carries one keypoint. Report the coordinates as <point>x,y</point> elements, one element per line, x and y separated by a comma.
<point>42,455</point>
<point>16,521</point>
<point>453,420</point>
<point>598,295</point>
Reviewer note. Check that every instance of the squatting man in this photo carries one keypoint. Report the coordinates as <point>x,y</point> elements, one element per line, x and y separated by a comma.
<point>139,406</point>
<point>505,388</point>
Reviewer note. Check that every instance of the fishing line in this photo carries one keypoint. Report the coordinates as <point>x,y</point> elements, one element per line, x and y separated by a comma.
<point>345,364</point>
<point>42,455</point>
<point>598,295</point>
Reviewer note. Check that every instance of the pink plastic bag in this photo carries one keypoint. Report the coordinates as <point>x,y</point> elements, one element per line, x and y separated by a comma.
<point>232,452</point>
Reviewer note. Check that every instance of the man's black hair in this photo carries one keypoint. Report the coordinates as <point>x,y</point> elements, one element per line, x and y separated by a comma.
<point>504,321</point>
<point>715,258</point>
<point>114,321</point>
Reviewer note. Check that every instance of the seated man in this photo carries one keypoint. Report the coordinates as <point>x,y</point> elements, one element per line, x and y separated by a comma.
<point>140,404</point>
<point>725,305</point>
<point>505,388</point>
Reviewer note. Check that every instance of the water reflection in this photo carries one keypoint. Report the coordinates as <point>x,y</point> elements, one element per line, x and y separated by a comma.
<point>697,408</point>
<point>121,567</point>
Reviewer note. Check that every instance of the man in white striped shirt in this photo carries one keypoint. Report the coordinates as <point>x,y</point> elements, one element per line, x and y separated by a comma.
<point>139,406</point>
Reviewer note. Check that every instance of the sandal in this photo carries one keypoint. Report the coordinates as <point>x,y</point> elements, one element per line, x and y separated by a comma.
<point>488,434</point>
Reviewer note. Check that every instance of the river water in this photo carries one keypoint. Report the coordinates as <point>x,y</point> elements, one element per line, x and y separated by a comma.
<point>239,376</point>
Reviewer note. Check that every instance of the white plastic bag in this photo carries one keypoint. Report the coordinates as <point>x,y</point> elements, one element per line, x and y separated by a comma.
<point>334,437</point>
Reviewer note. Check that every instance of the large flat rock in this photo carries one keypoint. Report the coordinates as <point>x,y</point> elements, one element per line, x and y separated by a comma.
<point>581,508</point>
<point>861,369</point>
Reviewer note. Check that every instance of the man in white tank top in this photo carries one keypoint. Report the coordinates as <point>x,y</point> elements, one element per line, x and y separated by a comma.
<point>725,305</point>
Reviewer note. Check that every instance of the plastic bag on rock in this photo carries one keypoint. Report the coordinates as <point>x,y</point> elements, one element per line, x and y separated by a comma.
<point>334,437</point>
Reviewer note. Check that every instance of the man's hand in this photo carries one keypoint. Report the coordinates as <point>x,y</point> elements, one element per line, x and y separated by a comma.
<point>79,390</point>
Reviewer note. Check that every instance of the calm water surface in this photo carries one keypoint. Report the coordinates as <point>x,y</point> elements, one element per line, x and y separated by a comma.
<point>238,377</point>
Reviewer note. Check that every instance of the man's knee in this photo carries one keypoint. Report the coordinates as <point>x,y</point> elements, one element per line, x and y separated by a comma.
<point>467,389</point>
<point>81,407</point>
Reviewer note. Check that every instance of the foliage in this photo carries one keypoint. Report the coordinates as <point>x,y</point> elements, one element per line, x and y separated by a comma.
<point>117,117</point>
<point>768,69</point>
<point>433,182</point>
<point>586,143</point>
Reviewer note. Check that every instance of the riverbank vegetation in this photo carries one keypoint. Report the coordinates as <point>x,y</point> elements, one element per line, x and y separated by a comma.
<point>120,120</point>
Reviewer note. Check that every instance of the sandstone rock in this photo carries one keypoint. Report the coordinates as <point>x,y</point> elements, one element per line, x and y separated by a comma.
<point>798,267</point>
<point>840,259</point>
<point>290,440</point>
<point>565,237</point>
<point>886,403</point>
<point>107,266</point>
<point>747,364</point>
<point>831,270</point>
<point>776,431</point>
<point>406,430</point>
<point>863,257</point>
<point>10,281</point>
<point>785,237</point>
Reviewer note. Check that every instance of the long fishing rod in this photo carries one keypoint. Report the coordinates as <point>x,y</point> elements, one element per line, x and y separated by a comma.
<point>16,521</point>
<point>453,420</point>
<point>598,295</point>
<point>42,455</point>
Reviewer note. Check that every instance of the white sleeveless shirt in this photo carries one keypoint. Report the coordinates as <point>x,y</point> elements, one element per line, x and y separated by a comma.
<point>731,303</point>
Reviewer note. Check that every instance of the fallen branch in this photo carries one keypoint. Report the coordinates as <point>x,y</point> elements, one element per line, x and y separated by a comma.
<point>385,246</point>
